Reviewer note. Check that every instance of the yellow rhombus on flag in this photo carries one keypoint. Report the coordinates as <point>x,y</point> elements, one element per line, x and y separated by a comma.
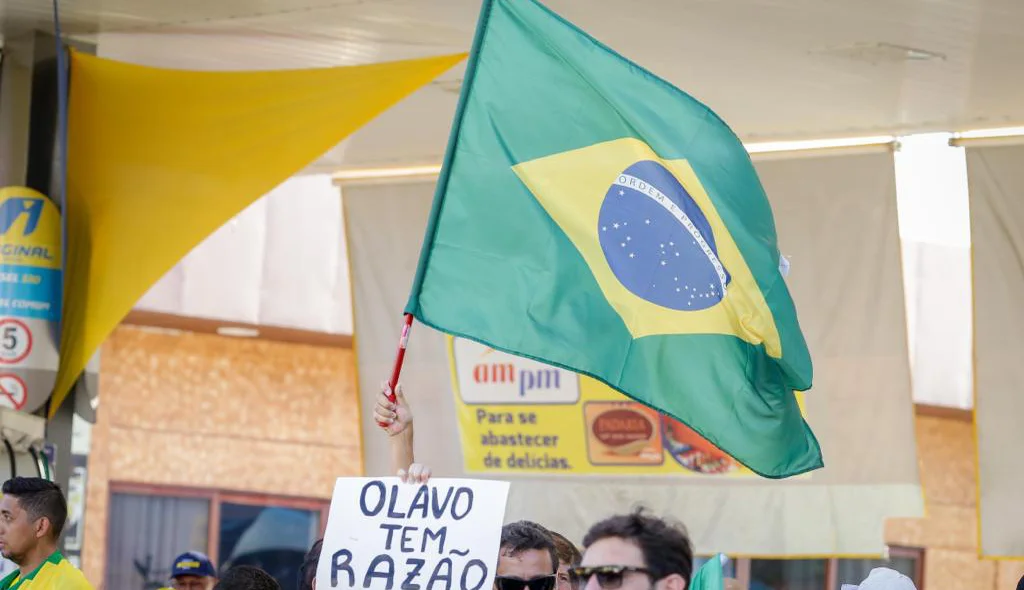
<point>158,159</point>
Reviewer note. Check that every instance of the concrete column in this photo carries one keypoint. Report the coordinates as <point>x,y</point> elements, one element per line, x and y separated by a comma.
<point>15,107</point>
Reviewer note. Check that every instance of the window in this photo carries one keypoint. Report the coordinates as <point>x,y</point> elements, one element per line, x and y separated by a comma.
<point>905,560</point>
<point>788,574</point>
<point>819,574</point>
<point>272,538</point>
<point>149,526</point>
<point>146,533</point>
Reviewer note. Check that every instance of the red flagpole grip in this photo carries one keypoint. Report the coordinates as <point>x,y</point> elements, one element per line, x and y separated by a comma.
<point>399,359</point>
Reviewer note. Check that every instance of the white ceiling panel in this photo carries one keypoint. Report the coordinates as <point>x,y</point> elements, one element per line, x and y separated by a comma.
<point>281,262</point>
<point>224,275</point>
<point>305,266</point>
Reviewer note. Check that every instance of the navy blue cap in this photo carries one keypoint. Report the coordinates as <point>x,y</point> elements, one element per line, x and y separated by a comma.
<point>193,563</point>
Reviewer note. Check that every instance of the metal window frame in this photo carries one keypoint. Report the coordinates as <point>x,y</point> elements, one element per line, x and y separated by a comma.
<point>216,497</point>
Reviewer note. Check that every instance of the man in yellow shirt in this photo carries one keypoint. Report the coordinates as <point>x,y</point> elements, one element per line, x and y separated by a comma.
<point>32,515</point>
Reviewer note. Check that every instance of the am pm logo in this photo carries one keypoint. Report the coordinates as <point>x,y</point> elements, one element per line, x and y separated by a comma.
<point>487,371</point>
<point>29,229</point>
<point>488,376</point>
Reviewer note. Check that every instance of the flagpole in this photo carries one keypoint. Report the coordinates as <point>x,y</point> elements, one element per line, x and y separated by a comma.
<point>396,370</point>
<point>439,191</point>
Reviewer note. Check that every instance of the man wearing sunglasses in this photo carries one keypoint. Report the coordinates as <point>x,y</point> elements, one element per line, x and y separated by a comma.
<point>527,558</point>
<point>635,552</point>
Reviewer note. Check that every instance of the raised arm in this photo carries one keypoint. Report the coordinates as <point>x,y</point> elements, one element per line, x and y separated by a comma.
<point>395,419</point>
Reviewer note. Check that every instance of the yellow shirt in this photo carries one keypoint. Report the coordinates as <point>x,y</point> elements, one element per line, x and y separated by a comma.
<point>55,573</point>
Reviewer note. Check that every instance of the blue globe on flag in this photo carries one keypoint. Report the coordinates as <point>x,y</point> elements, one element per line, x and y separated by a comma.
<point>658,242</point>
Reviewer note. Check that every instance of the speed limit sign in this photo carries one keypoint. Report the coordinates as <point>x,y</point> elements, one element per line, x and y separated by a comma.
<point>15,341</point>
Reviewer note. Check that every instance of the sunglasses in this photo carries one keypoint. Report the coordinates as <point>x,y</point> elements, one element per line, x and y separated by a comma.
<point>609,577</point>
<point>542,583</point>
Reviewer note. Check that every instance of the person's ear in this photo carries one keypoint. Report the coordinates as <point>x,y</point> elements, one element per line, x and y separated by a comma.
<point>43,527</point>
<point>672,582</point>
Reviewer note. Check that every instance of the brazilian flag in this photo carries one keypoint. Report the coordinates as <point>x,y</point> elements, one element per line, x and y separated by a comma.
<point>592,216</point>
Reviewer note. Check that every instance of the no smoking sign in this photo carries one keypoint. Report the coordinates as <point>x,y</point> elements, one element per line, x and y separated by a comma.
<point>15,341</point>
<point>12,391</point>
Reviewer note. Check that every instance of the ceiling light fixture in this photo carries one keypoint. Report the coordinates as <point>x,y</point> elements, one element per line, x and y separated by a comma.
<point>818,144</point>
<point>990,133</point>
<point>238,332</point>
<point>363,174</point>
<point>355,175</point>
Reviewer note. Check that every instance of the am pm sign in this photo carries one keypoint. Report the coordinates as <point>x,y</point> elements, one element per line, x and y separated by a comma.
<point>488,376</point>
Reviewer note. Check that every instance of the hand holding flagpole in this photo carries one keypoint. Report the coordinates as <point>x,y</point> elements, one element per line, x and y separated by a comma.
<point>399,359</point>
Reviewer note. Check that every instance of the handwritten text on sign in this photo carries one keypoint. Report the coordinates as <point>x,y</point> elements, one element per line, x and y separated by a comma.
<point>386,535</point>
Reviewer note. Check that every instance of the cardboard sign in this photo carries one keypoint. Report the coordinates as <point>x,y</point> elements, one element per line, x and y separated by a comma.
<point>386,535</point>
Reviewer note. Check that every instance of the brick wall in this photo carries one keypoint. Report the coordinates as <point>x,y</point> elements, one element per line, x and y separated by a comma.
<point>206,411</point>
<point>949,530</point>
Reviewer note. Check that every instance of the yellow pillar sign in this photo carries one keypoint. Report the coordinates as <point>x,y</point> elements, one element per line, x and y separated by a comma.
<point>30,297</point>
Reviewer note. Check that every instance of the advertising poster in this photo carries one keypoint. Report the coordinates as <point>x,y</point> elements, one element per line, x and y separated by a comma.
<point>520,416</point>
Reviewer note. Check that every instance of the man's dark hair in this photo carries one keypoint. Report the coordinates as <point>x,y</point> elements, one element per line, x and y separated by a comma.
<point>1020,583</point>
<point>307,572</point>
<point>665,545</point>
<point>40,498</point>
<point>246,577</point>
<point>565,549</point>
<point>524,535</point>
